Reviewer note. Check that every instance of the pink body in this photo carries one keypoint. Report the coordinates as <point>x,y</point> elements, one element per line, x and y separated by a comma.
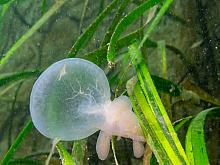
<point>119,121</point>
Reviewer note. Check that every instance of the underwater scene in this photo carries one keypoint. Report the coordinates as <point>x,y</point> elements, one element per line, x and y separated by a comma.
<point>109,82</point>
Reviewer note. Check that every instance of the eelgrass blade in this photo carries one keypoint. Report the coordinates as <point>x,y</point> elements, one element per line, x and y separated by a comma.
<point>155,114</point>
<point>79,151</point>
<point>195,140</point>
<point>16,143</point>
<point>14,77</point>
<point>147,121</point>
<point>124,23</point>
<point>180,123</point>
<point>87,35</point>
<point>163,70</point>
<point>64,155</point>
<point>43,6</point>
<point>83,15</point>
<point>31,31</point>
<point>114,23</point>
<point>3,2</point>
<point>156,20</point>
<point>3,9</point>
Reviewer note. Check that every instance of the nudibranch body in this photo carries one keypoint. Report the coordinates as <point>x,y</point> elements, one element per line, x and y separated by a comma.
<point>71,101</point>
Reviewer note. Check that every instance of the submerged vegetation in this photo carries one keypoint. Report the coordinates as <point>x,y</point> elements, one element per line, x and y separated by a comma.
<point>120,39</point>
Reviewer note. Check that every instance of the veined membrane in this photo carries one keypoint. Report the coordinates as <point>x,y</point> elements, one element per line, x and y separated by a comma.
<point>67,99</point>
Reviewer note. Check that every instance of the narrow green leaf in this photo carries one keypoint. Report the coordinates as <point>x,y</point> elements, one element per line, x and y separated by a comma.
<point>83,15</point>
<point>124,23</point>
<point>79,151</point>
<point>156,20</point>
<point>163,73</point>
<point>2,2</point>
<point>3,10</point>
<point>87,35</point>
<point>43,6</point>
<point>17,142</point>
<point>156,114</point>
<point>180,123</point>
<point>14,77</point>
<point>4,90</point>
<point>31,31</point>
<point>152,132</point>
<point>195,140</point>
<point>114,23</point>
<point>64,155</point>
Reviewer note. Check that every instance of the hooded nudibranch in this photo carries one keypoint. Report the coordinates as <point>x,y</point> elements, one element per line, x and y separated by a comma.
<point>71,101</point>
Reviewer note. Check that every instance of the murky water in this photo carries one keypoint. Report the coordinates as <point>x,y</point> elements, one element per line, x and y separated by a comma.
<point>191,34</point>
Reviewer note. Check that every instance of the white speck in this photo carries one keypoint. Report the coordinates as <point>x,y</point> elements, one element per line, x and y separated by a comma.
<point>62,72</point>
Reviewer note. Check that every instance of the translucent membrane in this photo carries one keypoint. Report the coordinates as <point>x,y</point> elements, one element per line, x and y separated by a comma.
<point>67,100</point>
